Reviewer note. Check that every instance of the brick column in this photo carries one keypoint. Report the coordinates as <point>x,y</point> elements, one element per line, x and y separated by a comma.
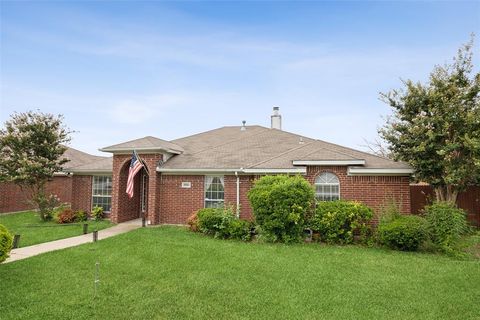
<point>153,206</point>
<point>118,162</point>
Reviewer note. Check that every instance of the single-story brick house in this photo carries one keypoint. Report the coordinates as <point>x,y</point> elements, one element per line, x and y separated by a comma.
<point>218,167</point>
<point>214,168</point>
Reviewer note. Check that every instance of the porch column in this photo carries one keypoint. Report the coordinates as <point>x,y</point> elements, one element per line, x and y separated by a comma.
<point>153,201</point>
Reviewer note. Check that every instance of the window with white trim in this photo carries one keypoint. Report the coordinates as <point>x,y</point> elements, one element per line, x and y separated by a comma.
<point>102,192</point>
<point>214,191</point>
<point>327,187</point>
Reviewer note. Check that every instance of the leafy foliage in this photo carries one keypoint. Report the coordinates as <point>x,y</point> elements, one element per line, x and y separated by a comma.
<point>31,149</point>
<point>6,242</point>
<point>405,233</point>
<point>222,223</point>
<point>47,205</point>
<point>280,204</point>
<point>97,213</point>
<point>389,211</point>
<point>240,229</point>
<point>80,215</point>
<point>337,221</point>
<point>435,126</point>
<point>66,216</point>
<point>446,223</point>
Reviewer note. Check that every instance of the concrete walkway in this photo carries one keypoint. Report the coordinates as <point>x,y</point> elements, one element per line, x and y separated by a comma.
<point>27,252</point>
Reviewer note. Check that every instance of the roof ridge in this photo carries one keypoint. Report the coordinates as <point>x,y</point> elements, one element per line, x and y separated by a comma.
<point>228,142</point>
<point>279,155</point>
<point>346,154</point>
<point>364,152</point>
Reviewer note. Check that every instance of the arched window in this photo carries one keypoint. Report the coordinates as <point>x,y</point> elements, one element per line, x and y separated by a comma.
<point>327,187</point>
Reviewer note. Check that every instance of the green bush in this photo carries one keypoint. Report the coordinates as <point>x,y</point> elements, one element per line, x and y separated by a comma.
<point>405,233</point>
<point>46,205</point>
<point>240,229</point>
<point>6,242</point>
<point>97,213</point>
<point>390,211</point>
<point>280,204</point>
<point>80,215</point>
<point>446,223</point>
<point>222,223</point>
<point>210,221</point>
<point>338,221</point>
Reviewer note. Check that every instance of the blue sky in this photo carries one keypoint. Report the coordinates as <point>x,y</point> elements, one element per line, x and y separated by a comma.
<point>123,70</point>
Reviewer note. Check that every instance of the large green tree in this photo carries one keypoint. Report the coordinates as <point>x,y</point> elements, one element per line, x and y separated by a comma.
<point>435,126</point>
<point>31,151</point>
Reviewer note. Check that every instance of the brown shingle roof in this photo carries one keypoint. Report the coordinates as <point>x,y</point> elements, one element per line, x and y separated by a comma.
<point>260,147</point>
<point>103,165</point>
<point>148,143</point>
<point>77,158</point>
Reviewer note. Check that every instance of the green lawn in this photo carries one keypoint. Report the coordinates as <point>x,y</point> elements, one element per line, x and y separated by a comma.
<point>32,231</point>
<point>170,273</point>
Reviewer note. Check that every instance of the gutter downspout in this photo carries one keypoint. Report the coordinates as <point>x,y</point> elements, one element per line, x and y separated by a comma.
<point>238,195</point>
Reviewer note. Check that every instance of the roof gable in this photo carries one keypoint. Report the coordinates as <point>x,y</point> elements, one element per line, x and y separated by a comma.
<point>147,143</point>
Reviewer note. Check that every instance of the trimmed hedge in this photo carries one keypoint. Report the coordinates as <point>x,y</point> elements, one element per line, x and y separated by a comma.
<point>280,204</point>
<point>338,221</point>
<point>6,243</point>
<point>405,233</point>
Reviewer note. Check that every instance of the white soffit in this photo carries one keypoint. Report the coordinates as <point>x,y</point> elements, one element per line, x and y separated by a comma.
<point>358,162</point>
<point>379,172</point>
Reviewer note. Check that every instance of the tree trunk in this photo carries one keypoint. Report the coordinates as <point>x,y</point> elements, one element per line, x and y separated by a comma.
<point>446,193</point>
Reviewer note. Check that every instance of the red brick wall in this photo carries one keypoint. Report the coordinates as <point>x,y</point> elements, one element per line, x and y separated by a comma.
<point>82,193</point>
<point>373,191</point>
<point>12,198</point>
<point>177,203</point>
<point>246,183</point>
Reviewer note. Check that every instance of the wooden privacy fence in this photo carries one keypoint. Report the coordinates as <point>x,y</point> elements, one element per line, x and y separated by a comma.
<point>421,195</point>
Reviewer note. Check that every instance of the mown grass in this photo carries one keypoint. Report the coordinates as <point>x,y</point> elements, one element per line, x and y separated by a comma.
<point>33,231</point>
<point>171,273</point>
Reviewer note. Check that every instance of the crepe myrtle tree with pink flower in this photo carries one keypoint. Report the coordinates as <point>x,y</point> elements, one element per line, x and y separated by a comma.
<point>32,145</point>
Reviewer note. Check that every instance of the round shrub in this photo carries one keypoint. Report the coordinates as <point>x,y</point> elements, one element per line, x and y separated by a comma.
<point>6,242</point>
<point>221,223</point>
<point>210,221</point>
<point>337,221</point>
<point>446,223</point>
<point>280,204</point>
<point>405,233</point>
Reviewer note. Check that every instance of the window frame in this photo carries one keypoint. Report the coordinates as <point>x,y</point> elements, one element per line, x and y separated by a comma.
<point>220,202</point>
<point>333,196</point>
<point>109,196</point>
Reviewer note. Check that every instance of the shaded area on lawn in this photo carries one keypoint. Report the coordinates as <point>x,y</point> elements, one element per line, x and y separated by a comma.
<point>170,273</point>
<point>33,231</point>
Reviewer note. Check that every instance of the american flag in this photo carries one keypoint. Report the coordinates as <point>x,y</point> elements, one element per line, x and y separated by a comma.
<point>135,166</point>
